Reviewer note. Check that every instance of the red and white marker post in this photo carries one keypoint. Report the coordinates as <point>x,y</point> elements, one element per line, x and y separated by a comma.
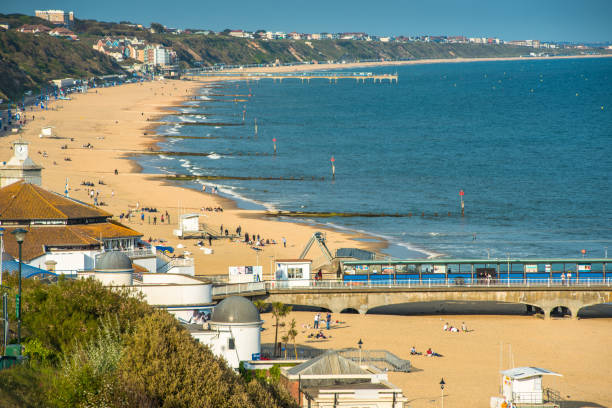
<point>461,194</point>
<point>333,167</point>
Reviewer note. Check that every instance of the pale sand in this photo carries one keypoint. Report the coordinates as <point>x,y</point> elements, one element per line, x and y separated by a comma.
<point>116,114</point>
<point>578,349</point>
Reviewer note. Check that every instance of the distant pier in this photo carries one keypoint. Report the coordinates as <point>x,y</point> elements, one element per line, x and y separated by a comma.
<point>304,77</point>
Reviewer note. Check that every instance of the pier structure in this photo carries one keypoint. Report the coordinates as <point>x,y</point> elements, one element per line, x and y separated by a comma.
<point>332,77</point>
<point>542,285</point>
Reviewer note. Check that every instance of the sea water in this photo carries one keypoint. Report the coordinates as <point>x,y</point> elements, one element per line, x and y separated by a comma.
<point>529,142</point>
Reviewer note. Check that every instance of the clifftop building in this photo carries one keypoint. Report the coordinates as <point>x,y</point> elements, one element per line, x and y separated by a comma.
<point>59,17</point>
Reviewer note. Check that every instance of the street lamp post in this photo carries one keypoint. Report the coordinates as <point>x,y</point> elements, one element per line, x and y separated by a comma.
<point>1,252</point>
<point>442,383</point>
<point>508,269</point>
<point>19,234</point>
<point>360,344</point>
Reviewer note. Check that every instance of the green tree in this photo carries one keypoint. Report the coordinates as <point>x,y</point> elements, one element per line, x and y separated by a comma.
<point>279,311</point>
<point>158,28</point>
<point>292,334</point>
<point>260,305</point>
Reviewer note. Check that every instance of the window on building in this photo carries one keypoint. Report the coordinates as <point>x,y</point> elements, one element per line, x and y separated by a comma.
<point>231,344</point>
<point>295,273</point>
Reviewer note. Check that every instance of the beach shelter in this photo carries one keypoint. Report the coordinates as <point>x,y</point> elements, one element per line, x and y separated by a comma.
<point>524,384</point>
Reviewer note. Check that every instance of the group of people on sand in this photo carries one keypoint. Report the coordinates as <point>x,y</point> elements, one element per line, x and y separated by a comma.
<point>453,329</point>
<point>428,353</point>
<point>320,323</point>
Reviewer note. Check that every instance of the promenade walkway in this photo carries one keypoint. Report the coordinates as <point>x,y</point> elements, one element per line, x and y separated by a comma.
<point>339,296</point>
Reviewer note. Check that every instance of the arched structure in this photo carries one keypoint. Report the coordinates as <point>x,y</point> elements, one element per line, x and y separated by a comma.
<point>364,299</point>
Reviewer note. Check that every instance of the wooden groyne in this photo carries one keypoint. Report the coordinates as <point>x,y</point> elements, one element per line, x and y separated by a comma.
<point>189,177</point>
<point>317,214</point>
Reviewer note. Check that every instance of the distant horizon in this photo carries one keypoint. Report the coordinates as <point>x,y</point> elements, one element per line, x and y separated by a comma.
<point>545,20</point>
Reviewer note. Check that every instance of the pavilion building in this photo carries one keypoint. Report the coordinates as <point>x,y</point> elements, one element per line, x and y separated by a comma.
<point>62,231</point>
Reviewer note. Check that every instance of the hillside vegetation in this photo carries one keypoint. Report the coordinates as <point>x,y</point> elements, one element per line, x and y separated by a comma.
<point>89,346</point>
<point>29,62</point>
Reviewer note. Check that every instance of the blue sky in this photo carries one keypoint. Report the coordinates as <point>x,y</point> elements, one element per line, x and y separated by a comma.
<point>556,20</point>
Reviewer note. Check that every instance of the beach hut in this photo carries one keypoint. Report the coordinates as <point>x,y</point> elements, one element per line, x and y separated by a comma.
<point>188,225</point>
<point>293,272</point>
<point>523,385</point>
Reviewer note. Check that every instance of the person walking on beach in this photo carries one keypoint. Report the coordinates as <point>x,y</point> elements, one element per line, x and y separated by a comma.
<point>284,242</point>
<point>328,320</point>
<point>154,220</point>
<point>168,217</point>
<point>316,321</point>
<point>239,230</point>
<point>142,218</point>
<point>221,230</point>
<point>209,240</point>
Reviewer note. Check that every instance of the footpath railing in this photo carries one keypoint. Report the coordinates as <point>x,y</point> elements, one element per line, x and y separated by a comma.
<point>221,289</point>
<point>238,288</point>
<point>434,283</point>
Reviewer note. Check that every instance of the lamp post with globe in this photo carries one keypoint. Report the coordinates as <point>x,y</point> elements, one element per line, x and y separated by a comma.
<point>19,234</point>
<point>360,343</point>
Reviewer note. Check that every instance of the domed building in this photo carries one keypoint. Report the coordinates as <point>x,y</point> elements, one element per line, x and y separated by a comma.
<point>114,268</point>
<point>234,331</point>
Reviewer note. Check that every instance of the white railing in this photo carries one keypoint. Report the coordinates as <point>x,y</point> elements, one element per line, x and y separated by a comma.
<point>314,285</point>
<point>140,252</point>
<point>236,288</point>
<point>435,283</point>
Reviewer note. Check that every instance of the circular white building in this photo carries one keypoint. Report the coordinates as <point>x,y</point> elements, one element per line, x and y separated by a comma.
<point>114,268</point>
<point>234,331</point>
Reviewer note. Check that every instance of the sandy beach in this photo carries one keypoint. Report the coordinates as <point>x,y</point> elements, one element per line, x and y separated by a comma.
<point>577,349</point>
<point>115,120</point>
<point>118,123</point>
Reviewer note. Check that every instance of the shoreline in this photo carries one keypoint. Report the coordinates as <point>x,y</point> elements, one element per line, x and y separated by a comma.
<point>317,67</point>
<point>114,121</point>
<point>368,240</point>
